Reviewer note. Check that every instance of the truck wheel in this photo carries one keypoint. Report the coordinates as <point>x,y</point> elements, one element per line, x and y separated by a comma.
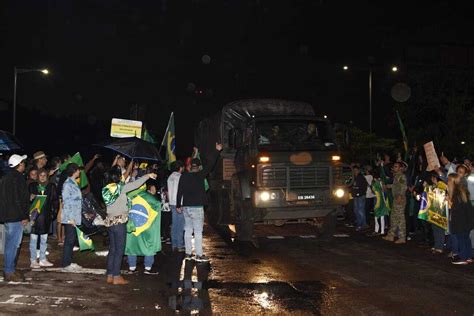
<point>244,227</point>
<point>328,227</point>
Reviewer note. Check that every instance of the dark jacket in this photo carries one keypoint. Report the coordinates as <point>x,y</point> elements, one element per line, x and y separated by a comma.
<point>14,198</point>
<point>359,187</point>
<point>461,217</point>
<point>48,212</point>
<point>191,191</point>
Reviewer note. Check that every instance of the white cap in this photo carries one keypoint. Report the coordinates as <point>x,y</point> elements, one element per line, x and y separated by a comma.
<point>15,160</point>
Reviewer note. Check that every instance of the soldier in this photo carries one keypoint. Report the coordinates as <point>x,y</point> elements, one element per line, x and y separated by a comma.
<point>399,188</point>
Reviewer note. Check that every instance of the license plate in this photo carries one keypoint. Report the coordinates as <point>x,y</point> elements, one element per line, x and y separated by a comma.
<point>305,197</point>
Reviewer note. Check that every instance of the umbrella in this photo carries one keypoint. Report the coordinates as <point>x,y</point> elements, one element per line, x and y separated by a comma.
<point>133,147</point>
<point>8,142</point>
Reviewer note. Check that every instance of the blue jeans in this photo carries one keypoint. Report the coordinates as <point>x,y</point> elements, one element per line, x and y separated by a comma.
<point>438,237</point>
<point>194,222</point>
<point>177,228</point>
<point>33,246</point>
<point>13,236</point>
<point>117,236</point>
<point>132,261</point>
<point>464,245</point>
<point>70,237</point>
<point>359,211</point>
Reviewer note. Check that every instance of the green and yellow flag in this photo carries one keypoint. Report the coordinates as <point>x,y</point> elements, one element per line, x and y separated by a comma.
<point>404,135</point>
<point>145,213</point>
<point>433,206</point>
<point>77,159</point>
<point>169,141</point>
<point>85,243</point>
<point>382,206</point>
<point>37,206</point>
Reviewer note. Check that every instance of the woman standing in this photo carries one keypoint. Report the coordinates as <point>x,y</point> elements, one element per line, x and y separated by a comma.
<point>461,217</point>
<point>71,214</point>
<point>42,222</point>
<point>115,197</point>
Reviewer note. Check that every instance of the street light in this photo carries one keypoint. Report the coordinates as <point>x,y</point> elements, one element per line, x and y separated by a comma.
<point>394,68</point>
<point>345,67</point>
<point>21,71</point>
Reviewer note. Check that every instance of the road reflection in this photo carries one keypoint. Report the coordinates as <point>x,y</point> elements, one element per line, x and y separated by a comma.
<point>188,285</point>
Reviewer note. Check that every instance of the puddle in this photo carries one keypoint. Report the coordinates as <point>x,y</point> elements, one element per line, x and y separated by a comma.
<point>273,296</point>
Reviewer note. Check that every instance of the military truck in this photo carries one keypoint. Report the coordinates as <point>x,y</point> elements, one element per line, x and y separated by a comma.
<point>279,165</point>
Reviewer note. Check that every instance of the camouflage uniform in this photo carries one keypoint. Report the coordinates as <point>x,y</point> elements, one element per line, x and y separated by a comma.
<point>397,218</point>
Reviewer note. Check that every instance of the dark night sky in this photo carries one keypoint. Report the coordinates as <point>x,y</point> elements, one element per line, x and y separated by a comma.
<point>105,56</point>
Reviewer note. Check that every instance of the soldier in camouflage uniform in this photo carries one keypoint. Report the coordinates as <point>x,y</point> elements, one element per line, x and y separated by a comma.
<point>397,218</point>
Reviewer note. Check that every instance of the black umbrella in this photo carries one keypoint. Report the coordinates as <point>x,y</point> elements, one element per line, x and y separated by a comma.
<point>8,142</point>
<point>133,148</point>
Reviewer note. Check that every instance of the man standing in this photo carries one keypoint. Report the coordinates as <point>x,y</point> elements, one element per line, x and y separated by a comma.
<point>358,191</point>
<point>397,218</point>
<point>40,160</point>
<point>192,197</point>
<point>177,217</point>
<point>14,199</point>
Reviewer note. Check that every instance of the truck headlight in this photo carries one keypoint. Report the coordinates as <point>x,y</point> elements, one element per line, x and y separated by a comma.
<point>265,196</point>
<point>339,193</point>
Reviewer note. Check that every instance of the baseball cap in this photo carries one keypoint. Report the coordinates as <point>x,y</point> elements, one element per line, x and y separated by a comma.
<point>15,160</point>
<point>39,155</point>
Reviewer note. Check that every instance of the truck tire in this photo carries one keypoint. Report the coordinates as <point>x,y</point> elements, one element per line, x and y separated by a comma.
<point>242,211</point>
<point>328,227</point>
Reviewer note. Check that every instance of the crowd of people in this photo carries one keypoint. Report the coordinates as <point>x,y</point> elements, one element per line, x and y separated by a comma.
<point>402,199</point>
<point>178,190</point>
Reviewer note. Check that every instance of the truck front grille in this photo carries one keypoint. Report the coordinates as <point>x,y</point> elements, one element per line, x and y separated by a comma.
<point>295,176</point>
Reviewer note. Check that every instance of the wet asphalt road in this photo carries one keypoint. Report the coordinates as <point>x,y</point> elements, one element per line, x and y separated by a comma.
<point>299,274</point>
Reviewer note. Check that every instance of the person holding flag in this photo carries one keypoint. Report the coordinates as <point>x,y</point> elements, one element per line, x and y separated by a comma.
<point>115,198</point>
<point>44,208</point>
<point>143,231</point>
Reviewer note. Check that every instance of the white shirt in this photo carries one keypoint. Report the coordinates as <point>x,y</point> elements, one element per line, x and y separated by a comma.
<point>173,181</point>
<point>369,193</point>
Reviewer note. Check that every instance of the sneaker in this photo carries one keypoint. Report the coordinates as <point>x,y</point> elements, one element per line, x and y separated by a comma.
<point>76,248</point>
<point>188,257</point>
<point>35,265</point>
<point>150,271</point>
<point>460,262</point>
<point>408,238</point>
<point>202,258</point>
<point>132,270</point>
<point>45,263</point>
<point>400,241</point>
<point>73,267</point>
<point>13,277</point>
<point>388,238</point>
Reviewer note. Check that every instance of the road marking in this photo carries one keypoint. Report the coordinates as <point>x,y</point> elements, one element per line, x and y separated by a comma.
<point>341,235</point>
<point>275,237</point>
<point>79,271</point>
<point>32,300</point>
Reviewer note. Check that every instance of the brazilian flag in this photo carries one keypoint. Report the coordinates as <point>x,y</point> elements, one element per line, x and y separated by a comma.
<point>77,159</point>
<point>169,141</point>
<point>145,237</point>
<point>85,243</point>
<point>36,207</point>
<point>423,213</point>
<point>382,206</point>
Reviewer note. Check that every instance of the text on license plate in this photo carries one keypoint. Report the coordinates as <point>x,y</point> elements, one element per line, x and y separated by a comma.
<point>304,197</point>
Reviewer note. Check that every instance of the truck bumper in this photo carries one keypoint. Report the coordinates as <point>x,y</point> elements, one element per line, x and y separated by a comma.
<point>292,213</point>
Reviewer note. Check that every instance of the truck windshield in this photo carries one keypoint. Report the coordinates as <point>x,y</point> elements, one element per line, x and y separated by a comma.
<point>294,135</point>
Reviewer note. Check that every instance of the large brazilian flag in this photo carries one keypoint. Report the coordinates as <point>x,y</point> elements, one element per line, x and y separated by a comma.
<point>145,239</point>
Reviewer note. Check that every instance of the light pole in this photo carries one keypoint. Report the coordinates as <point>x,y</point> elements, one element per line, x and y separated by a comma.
<point>21,71</point>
